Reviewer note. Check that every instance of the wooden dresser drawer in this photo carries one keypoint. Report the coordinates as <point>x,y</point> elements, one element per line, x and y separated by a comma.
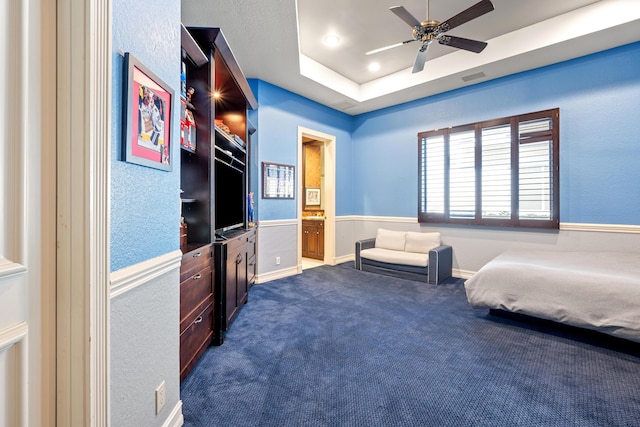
<point>194,261</point>
<point>194,290</point>
<point>195,340</point>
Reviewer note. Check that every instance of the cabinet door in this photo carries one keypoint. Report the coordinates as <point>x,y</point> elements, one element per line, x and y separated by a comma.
<point>251,259</point>
<point>242,282</point>
<point>320,250</point>
<point>305,240</point>
<point>231,286</point>
<point>312,237</point>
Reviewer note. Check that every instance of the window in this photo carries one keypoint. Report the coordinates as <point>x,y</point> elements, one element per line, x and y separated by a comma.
<point>501,172</point>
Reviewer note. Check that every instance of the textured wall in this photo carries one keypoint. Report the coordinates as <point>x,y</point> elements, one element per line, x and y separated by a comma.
<point>279,115</point>
<point>144,225</point>
<point>599,101</point>
<point>377,166</point>
<point>145,207</point>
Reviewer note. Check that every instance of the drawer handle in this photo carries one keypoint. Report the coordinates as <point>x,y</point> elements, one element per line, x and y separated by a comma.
<point>238,259</point>
<point>197,276</point>
<point>197,254</point>
<point>198,320</point>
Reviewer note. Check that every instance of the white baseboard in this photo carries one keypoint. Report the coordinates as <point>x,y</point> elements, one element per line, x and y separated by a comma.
<point>175,418</point>
<point>345,258</point>
<point>463,274</point>
<point>277,274</point>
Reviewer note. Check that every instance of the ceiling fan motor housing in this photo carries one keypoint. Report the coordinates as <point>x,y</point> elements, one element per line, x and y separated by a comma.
<point>428,30</point>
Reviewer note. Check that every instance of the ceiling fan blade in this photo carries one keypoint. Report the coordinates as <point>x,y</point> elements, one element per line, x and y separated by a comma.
<point>404,14</point>
<point>391,46</point>
<point>478,9</point>
<point>462,43</point>
<point>421,58</point>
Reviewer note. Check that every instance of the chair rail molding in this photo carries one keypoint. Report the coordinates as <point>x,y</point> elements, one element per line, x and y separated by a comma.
<point>129,278</point>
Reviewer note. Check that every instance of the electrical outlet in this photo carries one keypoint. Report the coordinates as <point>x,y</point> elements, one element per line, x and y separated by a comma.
<point>160,397</point>
<point>277,260</point>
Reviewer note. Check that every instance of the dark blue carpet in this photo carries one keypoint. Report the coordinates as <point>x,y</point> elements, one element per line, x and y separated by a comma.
<point>339,347</point>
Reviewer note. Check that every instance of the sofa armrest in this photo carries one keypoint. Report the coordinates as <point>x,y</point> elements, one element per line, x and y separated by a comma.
<point>360,245</point>
<point>440,262</point>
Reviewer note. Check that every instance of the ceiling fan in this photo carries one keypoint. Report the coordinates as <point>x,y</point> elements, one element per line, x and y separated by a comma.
<point>428,31</point>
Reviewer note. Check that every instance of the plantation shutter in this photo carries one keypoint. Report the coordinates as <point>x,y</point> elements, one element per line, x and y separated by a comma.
<point>462,174</point>
<point>535,169</point>
<point>496,172</point>
<point>503,172</point>
<point>432,188</point>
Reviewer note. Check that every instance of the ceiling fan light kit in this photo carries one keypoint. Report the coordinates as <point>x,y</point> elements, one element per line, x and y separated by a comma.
<point>430,30</point>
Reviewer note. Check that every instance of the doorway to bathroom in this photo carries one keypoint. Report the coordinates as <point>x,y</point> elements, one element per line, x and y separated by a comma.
<point>316,198</point>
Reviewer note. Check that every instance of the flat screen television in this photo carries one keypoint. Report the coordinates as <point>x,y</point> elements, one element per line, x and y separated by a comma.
<point>229,208</point>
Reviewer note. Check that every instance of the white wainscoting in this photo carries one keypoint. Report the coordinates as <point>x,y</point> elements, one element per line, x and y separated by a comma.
<point>277,239</point>
<point>472,246</point>
<point>144,342</point>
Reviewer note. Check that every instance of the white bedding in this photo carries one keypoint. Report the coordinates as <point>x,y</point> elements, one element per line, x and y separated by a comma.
<point>593,290</point>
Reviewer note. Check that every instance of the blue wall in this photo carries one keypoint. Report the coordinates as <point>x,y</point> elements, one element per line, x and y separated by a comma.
<point>376,153</point>
<point>599,101</point>
<point>145,208</point>
<point>278,117</point>
<point>144,321</point>
<point>377,167</point>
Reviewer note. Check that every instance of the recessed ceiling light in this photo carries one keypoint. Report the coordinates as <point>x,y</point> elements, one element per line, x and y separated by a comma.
<point>374,66</point>
<point>331,40</point>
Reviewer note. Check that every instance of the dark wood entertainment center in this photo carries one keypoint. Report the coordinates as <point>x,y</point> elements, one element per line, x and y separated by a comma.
<point>219,249</point>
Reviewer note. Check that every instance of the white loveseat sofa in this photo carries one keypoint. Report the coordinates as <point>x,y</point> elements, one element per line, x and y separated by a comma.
<point>406,253</point>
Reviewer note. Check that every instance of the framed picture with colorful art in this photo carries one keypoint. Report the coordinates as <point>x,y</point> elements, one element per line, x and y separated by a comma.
<point>147,117</point>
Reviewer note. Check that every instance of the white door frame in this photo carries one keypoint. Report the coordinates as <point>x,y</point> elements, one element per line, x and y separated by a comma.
<point>329,197</point>
<point>27,213</point>
<point>83,167</point>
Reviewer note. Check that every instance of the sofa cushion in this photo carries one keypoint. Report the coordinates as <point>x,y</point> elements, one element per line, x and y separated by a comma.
<point>421,243</point>
<point>396,257</point>
<point>389,239</point>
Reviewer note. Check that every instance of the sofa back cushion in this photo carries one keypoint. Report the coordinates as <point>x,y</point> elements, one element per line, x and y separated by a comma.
<point>421,243</point>
<point>389,239</point>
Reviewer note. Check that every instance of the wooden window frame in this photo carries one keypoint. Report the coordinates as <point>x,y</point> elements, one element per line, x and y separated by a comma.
<point>552,135</point>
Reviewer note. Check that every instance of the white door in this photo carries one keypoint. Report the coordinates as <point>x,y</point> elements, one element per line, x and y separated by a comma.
<point>27,217</point>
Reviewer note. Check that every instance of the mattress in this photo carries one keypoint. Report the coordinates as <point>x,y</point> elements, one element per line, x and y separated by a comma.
<point>594,290</point>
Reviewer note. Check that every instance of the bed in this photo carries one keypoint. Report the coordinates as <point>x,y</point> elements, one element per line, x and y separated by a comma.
<point>594,290</point>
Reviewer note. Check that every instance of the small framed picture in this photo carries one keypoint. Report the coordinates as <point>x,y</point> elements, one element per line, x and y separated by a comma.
<point>312,196</point>
<point>278,181</point>
<point>147,115</point>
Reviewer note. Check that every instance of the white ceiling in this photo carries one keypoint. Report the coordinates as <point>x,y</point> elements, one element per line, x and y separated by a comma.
<point>280,42</point>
